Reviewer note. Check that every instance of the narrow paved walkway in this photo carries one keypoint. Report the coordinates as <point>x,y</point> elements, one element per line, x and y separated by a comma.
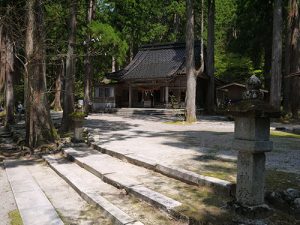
<point>34,206</point>
<point>8,204</point>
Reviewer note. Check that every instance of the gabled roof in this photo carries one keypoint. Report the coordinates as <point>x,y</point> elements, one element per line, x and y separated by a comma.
<point>160,61</point>
<point>234,84</point>
<point>231,85</point>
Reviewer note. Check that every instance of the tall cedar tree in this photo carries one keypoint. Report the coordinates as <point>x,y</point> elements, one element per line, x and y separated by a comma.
<point>191,72</point>
<point>87,61</point>
<point>293,56</point>
<point>39,127</point>
<point>68,103</point>
<point>9,81</point>
<point>211,56</point>
<point>7,61</point>
<point>276,73</point>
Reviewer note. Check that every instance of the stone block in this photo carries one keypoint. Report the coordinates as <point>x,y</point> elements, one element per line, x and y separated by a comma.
<point>250,178</point>
<point>194,178</point>
<point>154,198</point>
<point>78,131</point>
<point>252,146</point>
<point>252,128</point>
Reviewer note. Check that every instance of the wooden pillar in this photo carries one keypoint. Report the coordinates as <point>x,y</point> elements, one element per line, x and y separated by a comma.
<point>130,96</point>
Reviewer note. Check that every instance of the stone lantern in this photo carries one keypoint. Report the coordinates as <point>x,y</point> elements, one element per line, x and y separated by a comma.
<point>252,140</point>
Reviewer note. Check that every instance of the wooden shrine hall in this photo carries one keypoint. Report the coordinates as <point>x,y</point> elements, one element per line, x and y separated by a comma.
<point>155,78</point>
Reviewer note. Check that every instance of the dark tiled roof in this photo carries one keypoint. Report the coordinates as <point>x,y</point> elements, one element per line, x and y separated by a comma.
<point>156,62</point>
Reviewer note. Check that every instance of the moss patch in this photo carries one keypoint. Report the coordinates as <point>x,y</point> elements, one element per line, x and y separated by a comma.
<point>3,114</point>
<point>281,134</point>
<point>15,217</point>
<point>277,180</point>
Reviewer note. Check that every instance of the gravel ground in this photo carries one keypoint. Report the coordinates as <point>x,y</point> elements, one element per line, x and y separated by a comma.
<point>180,144</point>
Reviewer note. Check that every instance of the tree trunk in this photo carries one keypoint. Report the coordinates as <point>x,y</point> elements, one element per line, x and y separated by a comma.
<point>9,82</point>
<point>211,57</point>
<point>2,59</point>
<point>56,104</point>
<point>286,81</point>
<point>294,56</point>
<point>39,127</point>
<point>276,73</point>
<point>113,64</point>
<point>68,104</point>
<point>87,61</point>
<point>190,100</point>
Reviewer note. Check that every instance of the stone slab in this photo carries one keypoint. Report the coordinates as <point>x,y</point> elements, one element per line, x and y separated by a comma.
<point>116,214</point>
<point>154,198</point>
<point>65,199</point>
<point>90,188</point>
<point>39,216</point>
<point>120,154</point>
<point>34,206</point>
<point>135,223</point>
<point>121,177</point>
<point>179,173</point>
<point>120,181</point>
<point>252,146</point>
<point>7,198</point>
<point>141,161</point>
<point>194,178</point>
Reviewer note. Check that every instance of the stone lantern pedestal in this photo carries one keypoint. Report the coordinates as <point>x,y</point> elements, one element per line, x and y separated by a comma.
<point>252,140</point>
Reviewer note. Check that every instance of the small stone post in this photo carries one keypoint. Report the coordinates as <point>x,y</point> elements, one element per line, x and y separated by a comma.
<point>251,140</point>
<point>78,129</point>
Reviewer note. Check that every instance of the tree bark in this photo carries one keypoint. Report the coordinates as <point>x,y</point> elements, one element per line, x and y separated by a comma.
<point>113,64</point>
<point>87,61</point>
<point>276,69</point>
<point>2,59</point>
<point>68,103</point>
<point>211,56</point>
<point>9,82</point>
<point>190,65</point>
<point>56,104</point>
<point>293,60</point>
<point>286,81</point>
<point>39,127</point>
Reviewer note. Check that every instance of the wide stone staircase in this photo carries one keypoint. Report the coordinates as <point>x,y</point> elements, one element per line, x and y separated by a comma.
<point>88,185</point>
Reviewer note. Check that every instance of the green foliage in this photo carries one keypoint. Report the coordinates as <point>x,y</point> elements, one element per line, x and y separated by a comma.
<point>235,67</point>
<point>108,41</point>
<point>77,115</point>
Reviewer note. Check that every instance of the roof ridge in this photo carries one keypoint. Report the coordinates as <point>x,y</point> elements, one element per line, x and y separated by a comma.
<point>167,45</point>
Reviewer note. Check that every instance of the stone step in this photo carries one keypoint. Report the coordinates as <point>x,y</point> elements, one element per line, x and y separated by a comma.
<point>147,111</point>
<point>168,170</point>
<point>67,202</point>
<point>34,206</point>
<point>121,175</point>
<point>90,188</point>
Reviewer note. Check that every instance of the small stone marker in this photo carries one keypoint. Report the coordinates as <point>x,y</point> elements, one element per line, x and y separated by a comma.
<point>78,129</point>
<point>251,140</point>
